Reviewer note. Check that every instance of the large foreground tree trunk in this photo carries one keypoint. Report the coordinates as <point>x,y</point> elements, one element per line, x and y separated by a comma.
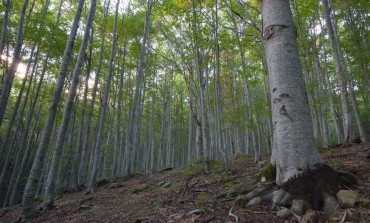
<point>294,147</point>
<point>300,170</point>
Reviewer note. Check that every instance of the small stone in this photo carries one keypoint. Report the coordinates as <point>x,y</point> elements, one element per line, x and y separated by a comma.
<point>281,197</point>
<point>175,216</point>
<point>85,207</point>
<point>115,185</point>
<point>254,201</point>
<point>161,183</point>
<point>283,213</point>
<point>330,204</point>
<point>365,153</point>
<point>241,187</point>
<point>255,192</point>
<point>348,198</point>
<point>196,212</point>
<point>299,206</point>
<point>311,216</point>
<point>241,198</point>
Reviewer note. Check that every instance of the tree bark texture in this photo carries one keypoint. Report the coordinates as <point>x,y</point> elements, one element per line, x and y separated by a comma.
<point>294,147</point>
<point>30,190</point>
<point>96,162</point>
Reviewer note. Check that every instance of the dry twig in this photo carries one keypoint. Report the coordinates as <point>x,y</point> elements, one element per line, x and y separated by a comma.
<point>233,215</point>
<point>344,216</point>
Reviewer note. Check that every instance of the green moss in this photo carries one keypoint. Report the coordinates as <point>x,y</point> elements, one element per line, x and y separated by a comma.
<point>336,164</point>
<point>268,171</point>
<point>193,168</point>
<point>102,182</point>
<point>331,152</point>
<point>39,198</point>
<point>138,190</point>
<point>199,167</point>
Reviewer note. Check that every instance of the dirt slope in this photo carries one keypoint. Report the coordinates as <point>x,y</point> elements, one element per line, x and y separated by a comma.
<point>191,196</point>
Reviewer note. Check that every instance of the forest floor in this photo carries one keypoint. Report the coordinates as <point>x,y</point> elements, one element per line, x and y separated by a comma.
<point>189,195</point>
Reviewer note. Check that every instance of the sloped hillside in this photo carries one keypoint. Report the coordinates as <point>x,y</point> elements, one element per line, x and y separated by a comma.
<point>191,196</point>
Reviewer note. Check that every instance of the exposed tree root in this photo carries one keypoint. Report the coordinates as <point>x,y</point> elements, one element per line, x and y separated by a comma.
<point>47,205</point>
<point>3,211</point>
<point>314,189</point>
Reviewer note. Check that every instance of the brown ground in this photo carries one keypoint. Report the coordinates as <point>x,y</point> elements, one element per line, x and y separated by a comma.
<point>143,198</point>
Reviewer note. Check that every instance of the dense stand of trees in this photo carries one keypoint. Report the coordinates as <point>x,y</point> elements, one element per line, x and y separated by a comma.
<point>103,89</point>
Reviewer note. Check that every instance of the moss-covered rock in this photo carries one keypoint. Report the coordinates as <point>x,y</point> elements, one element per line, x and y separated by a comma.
<point>267,173</point>
<point>102,182</point>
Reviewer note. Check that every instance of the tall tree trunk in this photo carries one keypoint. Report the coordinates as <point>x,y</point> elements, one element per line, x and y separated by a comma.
<point>6,145</point>
<point>133,124</point>
<point>30,190</point>
<point>152,146</point>
<point>117,146</point>
<point>321,86</point>
<point>12,199</point>
<point>77,155</point>
<point>247,103</point>
<point>219,127</point>
<point>340,70</point>
<point>294,147</point>
<point>94,173</point>
<point>162,159</point>
<point>201,108</point>
<point>11,146</point>
<point>86,143</point>
<point>360,124</point>
<point>48,201</point>
<point>9,76</point>
<point>169,151</point>
<point>190,126</point>
<point>4,31</point>
<point>327,85</point>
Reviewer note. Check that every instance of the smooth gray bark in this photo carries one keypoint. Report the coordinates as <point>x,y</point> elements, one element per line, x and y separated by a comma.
<point>169,151</point>
<point>6,145</point>
<point>86,143</point>
<point>117,146</point>
<point>77,155</point>
<point>219,127</point>
<point>321,94</point>
<point>11,146</point>
<point>201,107</point>
<point>96,162</point>
<point>294,147</point>
<point>12,199</point>
<point>48,201</point>
<point>30,190</point>
<point>16,58</point>
<point>340,70</point>
<point>360,124</point>
<point>4,31</point>
<point>133,124</point>
<point>327,85</point>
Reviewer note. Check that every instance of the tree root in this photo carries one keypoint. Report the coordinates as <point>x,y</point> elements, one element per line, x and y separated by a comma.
<point>47,205</point>
<point>314,189</point>
<point>3,211</point>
